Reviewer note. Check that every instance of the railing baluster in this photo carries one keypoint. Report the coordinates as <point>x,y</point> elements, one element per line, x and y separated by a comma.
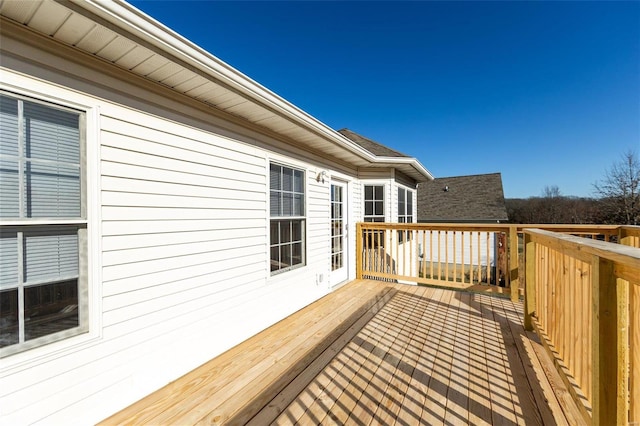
<point>610,344</point>
<point>413,240</point>
<point>424,254</point>
<point>634,353</point>
<point>439,258</point>
<point>571,326</point>
<point>530,283</point>
<point>462,257</point>
<point>471,265</point>
<point>407,270</point>
<point>488,257</point>
<point>455,257</point>
<point>479,265</point>
<point>588,336</point>
<point>446,255</point>
<point>431,254</point>
<point>514,264</point>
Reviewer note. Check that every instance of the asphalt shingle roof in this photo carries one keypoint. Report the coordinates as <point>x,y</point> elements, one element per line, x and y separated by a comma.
<point>475,198</point>
<point>372,146</point>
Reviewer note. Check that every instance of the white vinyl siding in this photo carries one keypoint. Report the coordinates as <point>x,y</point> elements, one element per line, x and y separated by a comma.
<point>179,206</point>
<point>377,174</point>
<point>42,294</point>
<point>179,253</point>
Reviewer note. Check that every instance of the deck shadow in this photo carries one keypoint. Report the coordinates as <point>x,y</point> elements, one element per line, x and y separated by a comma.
<point>404,362</point>
<point>264,408</point>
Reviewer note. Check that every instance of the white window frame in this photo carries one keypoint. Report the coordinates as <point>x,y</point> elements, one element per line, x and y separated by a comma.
<point>408,216</point>
<point>24,225</point>
<point>288,219</point>
<point>373,217</point>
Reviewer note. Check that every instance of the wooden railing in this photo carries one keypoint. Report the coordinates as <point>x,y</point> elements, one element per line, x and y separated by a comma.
<point>445,254</point>
<point>629,236</point>
<point>460,255</point>
<point>583,300</point>
<point>582,292</point>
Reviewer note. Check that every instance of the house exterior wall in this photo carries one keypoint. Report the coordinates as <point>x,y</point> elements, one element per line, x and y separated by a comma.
<point>467,247</point>
<point>178,241</point>
<point>404,256</point>
<point>392,180</point>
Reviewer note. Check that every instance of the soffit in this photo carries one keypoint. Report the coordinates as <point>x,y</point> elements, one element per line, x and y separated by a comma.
<point>183,67</point>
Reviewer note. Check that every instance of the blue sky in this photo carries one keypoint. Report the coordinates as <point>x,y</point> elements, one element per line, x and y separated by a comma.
<point>547,93</point>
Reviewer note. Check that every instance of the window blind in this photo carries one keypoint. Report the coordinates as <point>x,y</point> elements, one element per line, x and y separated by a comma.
<point>286,191</point>
<point>8,126</point>
<point>8,260</point>
<point>45,155</point>
<point>50,255</point>
<point>9,188</point>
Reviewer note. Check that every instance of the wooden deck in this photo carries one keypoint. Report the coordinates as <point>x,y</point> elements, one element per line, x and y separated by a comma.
<point>374,353</point>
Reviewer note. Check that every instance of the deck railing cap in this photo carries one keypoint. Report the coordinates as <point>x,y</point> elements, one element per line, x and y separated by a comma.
<point>618,252</point>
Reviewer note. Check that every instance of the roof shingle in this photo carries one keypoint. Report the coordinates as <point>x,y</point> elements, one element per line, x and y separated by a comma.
<point>372,146</point>
<point>474,198</point>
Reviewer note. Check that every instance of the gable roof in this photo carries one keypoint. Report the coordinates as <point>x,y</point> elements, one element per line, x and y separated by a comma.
<point>370,145</point>
<point>120,35</point>
<point>474,198</point>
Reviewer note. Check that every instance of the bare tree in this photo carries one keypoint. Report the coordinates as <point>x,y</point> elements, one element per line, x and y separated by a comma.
<point>571,210</point>
<point>552,201</point>
<point>552,191</point>
<point>619,190</point>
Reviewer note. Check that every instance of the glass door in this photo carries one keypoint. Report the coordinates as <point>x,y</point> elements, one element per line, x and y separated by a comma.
<point>339,261</point>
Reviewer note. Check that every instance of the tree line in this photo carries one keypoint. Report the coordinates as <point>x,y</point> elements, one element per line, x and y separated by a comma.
<point>616,200</point>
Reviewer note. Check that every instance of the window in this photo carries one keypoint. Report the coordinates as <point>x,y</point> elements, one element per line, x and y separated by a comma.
<point>405,211</point>
<point>374,203</point>
<point>374,212</point>
<point>288,242</point>
<point>405,206</point>
<point>43,289</point>
<point>337,226</point>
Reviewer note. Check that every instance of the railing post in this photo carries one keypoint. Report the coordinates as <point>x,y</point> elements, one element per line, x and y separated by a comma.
<point>514,262</point>
<point>359,238</point>
<point>622,349</point>
<point>622,237</point>
<point>530,282</point>
<point>634,355</point>
<point>610,345</point>
<point>629,235</point>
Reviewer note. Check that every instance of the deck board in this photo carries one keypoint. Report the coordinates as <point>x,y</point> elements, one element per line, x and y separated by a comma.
<point>417,380</point>
<point>479,398</point>
<point>373,353</point>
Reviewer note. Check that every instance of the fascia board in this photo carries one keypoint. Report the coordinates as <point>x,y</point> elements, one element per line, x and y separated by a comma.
<point>131,20</point>
<point>411,161</point>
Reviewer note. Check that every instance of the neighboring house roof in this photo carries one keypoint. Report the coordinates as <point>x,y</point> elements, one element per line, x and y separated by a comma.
<point>475,198</point>
<point>370,145</point>
<point>118,33</point>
